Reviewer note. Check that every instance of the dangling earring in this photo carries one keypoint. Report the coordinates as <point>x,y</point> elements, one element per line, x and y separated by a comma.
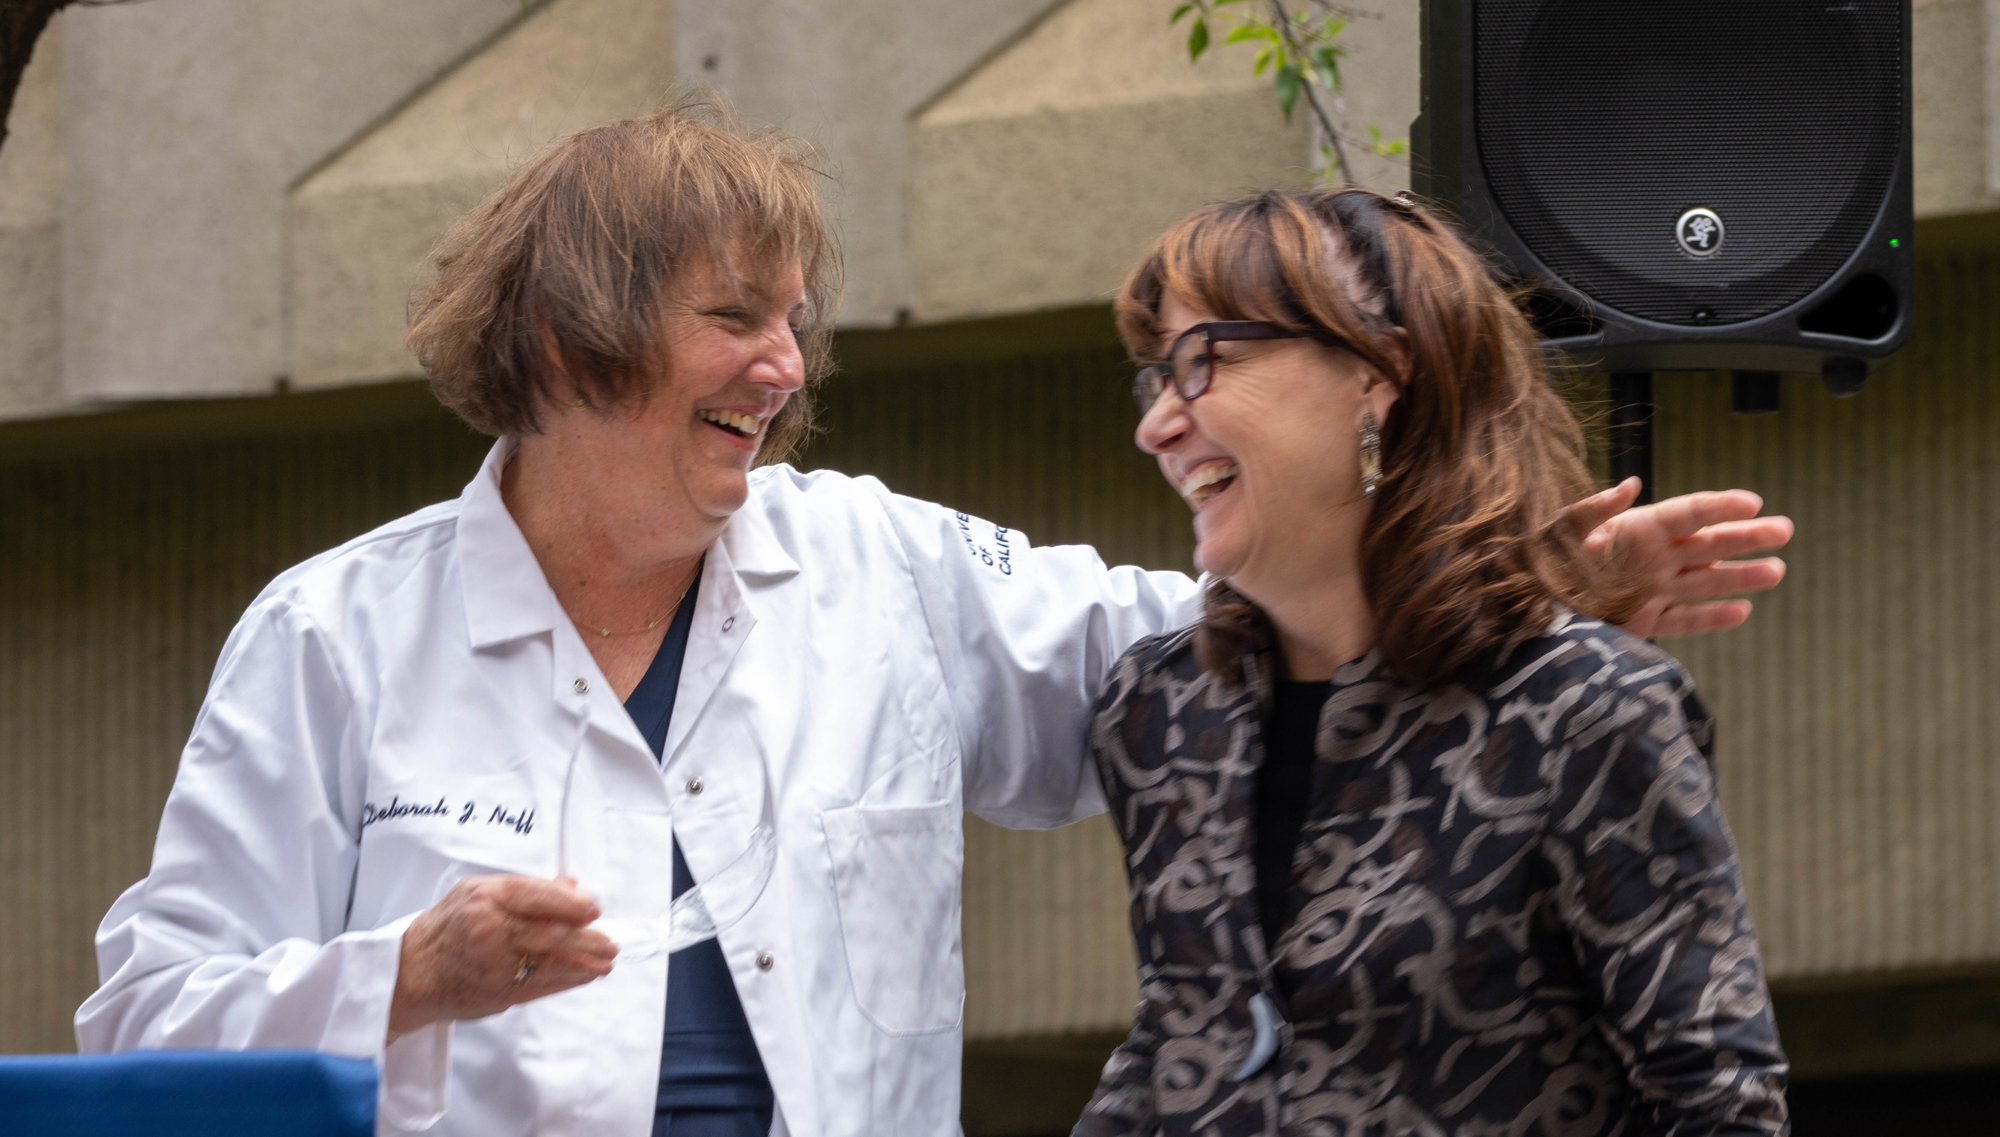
<point>1371,453</point>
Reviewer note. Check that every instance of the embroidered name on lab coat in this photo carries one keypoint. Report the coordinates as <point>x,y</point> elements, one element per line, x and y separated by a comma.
<point>996,554</point>
<point>521,821</point>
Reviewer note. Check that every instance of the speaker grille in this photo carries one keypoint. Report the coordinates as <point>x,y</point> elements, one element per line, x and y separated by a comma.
<point>1601,125</point>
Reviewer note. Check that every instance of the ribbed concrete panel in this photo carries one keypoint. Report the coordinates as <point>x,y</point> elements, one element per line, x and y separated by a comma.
<point>119,579</point>
<point>1048,946</point>
<point>1857,710</point>
<point>1043,445</point>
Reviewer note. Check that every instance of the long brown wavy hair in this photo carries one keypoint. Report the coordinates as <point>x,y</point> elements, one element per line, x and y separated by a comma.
<point>1466,551</point>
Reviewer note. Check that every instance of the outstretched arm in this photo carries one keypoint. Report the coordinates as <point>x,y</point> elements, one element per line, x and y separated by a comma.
<point>1024,637</point>
<point>1685,548</point>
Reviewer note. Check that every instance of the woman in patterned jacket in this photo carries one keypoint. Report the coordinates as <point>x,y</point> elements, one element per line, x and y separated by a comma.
<point>1414,848</point>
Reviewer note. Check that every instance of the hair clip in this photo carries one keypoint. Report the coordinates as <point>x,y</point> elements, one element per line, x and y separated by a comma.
<point>1405,201</point>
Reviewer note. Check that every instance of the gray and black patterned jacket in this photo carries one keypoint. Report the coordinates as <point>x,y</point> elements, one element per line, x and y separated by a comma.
<point>1515,910</point>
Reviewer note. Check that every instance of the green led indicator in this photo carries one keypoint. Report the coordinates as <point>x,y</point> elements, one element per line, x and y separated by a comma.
<point>1895,242</point>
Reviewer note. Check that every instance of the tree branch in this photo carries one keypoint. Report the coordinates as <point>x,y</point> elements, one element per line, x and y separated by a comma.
<point>1285,28</point>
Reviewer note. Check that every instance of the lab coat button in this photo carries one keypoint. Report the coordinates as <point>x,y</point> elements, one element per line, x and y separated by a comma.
<point>729,623</point>
<point>694,786</point>
<point>764,961</point>
<point>581,686</point>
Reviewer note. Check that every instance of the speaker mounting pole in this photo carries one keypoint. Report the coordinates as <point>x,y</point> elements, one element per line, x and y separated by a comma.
<point>1632,430</point>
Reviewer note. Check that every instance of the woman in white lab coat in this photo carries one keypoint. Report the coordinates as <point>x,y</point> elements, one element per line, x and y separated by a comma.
<point>450,777</point>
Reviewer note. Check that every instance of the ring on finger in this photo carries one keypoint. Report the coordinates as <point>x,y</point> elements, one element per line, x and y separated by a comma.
<point>526,970</point>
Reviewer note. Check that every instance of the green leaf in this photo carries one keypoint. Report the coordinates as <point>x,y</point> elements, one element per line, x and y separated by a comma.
<point>1263,60</point>
<point>1242,32</point>
<point>1286,84</point>
<point>1326,65</point>
<point>1178,12</point>
<point>1197,40</point>
<point>1385,149</point>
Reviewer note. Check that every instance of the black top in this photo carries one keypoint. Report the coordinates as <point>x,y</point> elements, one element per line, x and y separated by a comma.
<point>709,1065</point>
<point>1284,789</point>
<point>1515,909</point>
<point>651,703</point>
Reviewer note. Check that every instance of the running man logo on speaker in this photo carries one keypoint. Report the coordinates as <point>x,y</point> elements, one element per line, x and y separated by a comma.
<point>1700,232</point>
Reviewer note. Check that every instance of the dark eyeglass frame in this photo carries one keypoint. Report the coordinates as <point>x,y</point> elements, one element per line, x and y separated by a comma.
<point>1191,380</point>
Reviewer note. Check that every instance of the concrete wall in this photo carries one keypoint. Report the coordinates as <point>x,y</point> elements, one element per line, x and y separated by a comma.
<point>221,197</point>
<point>183,126</point>
<point>31,176</point>
<point>1954,102</point>
<point>847,75</point>
<point>361,225</point>
<point>1040,177</point>
<point>950,132</point>
<point>215,196</point>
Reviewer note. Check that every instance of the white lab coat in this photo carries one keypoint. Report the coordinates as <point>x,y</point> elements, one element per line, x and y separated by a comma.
<point>403,711</point>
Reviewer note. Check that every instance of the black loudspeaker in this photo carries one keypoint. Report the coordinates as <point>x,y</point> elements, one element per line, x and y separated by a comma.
<point>1700,184</point>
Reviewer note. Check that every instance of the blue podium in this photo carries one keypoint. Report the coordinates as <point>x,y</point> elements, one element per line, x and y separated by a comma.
<point>185,1093</point>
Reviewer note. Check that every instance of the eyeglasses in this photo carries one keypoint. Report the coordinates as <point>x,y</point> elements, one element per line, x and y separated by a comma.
<point>1191,360</point>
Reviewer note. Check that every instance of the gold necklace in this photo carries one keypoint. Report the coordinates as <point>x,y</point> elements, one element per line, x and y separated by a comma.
<point>607,633</point>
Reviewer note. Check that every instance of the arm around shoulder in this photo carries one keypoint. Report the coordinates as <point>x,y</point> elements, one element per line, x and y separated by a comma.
<point>1026,636</point>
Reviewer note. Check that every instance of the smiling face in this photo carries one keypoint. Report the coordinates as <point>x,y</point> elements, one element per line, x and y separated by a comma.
<point>1268,457</point>
<point>727,361</point>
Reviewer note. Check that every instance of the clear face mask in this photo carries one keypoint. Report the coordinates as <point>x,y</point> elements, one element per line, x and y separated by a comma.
<point>702,912</point>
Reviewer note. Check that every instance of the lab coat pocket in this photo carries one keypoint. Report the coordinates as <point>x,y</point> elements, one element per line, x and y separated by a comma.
<point>896,877</point>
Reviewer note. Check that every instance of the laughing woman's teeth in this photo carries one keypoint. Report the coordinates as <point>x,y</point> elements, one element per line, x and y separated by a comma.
<point>746,425</point>
<point>1206,482</point>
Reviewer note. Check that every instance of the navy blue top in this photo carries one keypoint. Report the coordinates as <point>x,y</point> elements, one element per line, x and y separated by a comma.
<point>712,1080</point>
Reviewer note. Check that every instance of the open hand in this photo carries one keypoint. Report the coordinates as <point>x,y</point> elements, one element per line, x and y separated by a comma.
<point>1682,548</point>
<point>493,942</point>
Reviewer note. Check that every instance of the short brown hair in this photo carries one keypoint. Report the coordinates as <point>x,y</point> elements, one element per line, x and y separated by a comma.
<point>584,244</point>
<point>1465,552</point>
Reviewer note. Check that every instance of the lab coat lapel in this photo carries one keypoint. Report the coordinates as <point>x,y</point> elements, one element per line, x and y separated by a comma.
<point>742,568</point>
<point>748,578</point>
<point>506,596</point>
